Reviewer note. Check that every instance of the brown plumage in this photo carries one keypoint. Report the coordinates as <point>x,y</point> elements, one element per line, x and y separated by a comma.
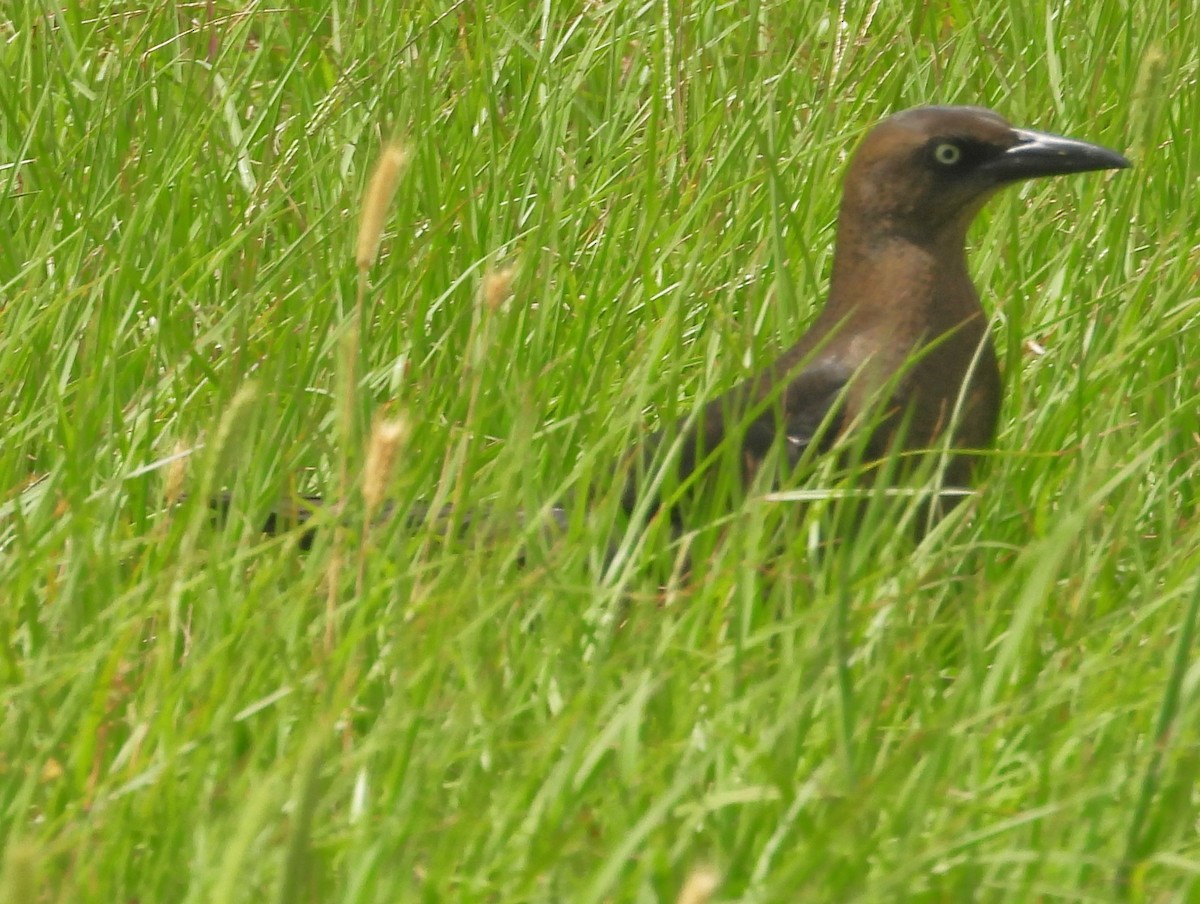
<point>901,347</point>
<point>900,354</point>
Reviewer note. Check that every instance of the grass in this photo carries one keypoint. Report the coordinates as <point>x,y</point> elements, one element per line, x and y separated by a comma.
<point>1006,712</point>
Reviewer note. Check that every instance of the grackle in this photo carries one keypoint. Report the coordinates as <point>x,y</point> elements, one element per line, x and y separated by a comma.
<point>899,357</point>
<point>901,348</point>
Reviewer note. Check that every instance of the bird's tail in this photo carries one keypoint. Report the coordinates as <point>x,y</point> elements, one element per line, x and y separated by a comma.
<point>300,513</point>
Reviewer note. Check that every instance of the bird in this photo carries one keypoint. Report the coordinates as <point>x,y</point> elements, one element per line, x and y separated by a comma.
<point>899,360</point>
<point>901,349</point>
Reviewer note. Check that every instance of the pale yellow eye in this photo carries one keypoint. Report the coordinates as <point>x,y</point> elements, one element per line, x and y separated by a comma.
<point>947,154</point>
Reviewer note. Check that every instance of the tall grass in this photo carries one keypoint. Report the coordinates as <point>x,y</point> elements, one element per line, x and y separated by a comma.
<point>1006,711</point>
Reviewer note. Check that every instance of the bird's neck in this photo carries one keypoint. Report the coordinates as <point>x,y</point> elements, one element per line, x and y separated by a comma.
<point>898,284</point>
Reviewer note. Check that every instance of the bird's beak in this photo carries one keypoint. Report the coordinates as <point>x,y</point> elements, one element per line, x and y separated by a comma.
<point>1042,154</point>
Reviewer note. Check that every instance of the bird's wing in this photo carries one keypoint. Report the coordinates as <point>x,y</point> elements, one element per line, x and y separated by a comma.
<point>807,408</point>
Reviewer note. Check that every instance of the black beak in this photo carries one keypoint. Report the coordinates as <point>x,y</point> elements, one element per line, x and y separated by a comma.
<point>1042,154</point>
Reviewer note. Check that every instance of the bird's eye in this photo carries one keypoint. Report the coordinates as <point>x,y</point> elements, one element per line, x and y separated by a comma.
<point>947,154</point>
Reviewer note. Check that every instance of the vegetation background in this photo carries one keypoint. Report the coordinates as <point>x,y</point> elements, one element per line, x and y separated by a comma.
<point>646,192</point>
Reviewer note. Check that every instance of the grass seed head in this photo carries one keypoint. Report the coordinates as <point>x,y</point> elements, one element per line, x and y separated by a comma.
<point>699,886</point>
<point>496,287</point>
<point>378,198</point>
<point>386,437</point>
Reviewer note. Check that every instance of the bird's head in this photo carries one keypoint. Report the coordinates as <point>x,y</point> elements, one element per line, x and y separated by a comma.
<point>924,173</point>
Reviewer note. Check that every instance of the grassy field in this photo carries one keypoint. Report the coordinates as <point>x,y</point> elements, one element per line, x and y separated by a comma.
<point>608,211</point>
